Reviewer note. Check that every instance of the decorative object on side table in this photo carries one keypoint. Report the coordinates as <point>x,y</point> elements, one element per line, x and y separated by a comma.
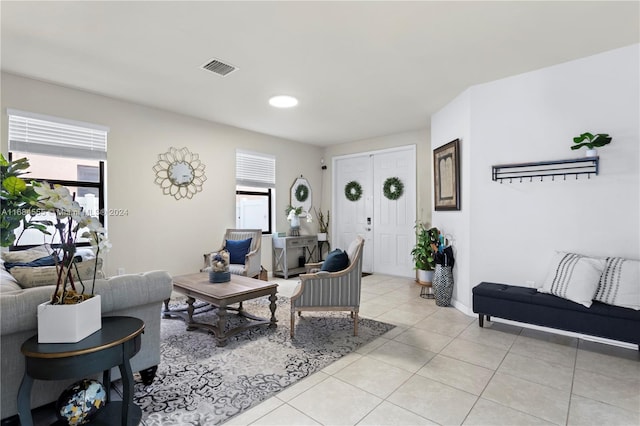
<point>423,253</point>
<point>592,142</point>
<point>293,216</point>
<point>180,173</point>
<point>219,272</point>
<point>71,314</point>
<point>80,402</point>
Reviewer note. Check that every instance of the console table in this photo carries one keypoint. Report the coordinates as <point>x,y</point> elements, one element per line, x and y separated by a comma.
<point>305,245</point>
<point>113,345</point>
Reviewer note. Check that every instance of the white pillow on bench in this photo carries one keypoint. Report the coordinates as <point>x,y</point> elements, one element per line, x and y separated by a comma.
<point>573,277</point>
<point>620,283</point>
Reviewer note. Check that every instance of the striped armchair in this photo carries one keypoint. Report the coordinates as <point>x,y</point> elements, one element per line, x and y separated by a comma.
<point>252,266</point>
<point>331,291</point>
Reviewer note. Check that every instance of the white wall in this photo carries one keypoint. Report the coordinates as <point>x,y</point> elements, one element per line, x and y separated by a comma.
<point>508,232</point>
<point>160,232</point>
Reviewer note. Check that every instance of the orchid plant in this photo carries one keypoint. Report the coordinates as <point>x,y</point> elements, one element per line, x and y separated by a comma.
<point>70,218</point>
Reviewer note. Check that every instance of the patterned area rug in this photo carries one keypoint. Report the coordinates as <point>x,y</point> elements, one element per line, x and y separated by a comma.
<point>198,383</point>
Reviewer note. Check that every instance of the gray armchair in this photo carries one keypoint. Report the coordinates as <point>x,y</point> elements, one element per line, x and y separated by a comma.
<point>252,261</point>
<point>331,291</point>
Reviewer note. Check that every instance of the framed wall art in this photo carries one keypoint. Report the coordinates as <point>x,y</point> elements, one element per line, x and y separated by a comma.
<point>446,176</point>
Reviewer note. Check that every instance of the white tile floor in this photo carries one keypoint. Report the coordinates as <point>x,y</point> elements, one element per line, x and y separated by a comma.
<point>438,367</point>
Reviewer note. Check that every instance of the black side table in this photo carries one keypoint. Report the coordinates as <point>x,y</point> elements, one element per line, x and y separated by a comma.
<point>113,345</point>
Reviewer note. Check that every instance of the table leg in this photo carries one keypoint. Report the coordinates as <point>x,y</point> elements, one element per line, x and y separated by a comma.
<point>272,307</point>
<point>190,311</point>
<point>127,389</point>
<point>106,382</point>
<point>24,400</point>
<point>221,338</point>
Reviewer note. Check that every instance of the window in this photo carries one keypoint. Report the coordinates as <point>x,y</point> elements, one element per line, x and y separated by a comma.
<point>255,189</point>
<point>63,152</point>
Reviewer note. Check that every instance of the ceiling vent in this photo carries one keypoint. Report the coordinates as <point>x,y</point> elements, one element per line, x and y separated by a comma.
<point>218,67</point>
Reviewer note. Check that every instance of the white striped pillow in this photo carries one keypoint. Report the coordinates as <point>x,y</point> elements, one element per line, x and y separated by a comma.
<point>620,283</point>
<point>573,277</point>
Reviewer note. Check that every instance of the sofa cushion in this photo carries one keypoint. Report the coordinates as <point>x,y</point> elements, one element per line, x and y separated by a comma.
<point>28,255</point>
<point>336,261</point>
<point>238,249</point>
<point>620,283</point>
<point>573,277</point>
<point>29,277</point>
<point>43,261</point>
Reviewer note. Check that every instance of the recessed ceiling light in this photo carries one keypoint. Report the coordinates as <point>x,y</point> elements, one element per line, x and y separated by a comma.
<point>283,101</point>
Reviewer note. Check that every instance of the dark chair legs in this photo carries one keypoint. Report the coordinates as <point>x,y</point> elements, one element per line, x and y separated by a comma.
<point>148,375</point>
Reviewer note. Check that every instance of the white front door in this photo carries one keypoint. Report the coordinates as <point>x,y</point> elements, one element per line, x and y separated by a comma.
<point>354,217</point>
<point>386,225</point>
<point>394,220</point>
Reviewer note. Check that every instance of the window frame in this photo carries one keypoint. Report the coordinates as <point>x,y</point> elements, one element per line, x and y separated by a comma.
<point>269,196</point>
<point>73,183</point>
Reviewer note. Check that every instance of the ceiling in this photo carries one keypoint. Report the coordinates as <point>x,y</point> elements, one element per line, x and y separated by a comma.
<point>359,69</point>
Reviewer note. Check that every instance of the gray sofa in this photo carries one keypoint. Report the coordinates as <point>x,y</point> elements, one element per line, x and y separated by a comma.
<point>139,296</point>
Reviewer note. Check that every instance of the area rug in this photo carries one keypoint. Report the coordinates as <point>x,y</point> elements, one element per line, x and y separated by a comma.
<point>198,383</point>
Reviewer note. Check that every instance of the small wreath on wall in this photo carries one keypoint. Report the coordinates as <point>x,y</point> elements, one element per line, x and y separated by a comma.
<point>393,188</point>
<point>302,193</point>
<point>353,191</point>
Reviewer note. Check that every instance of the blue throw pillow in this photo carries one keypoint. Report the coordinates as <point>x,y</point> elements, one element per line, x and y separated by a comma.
<point>238,249</point>
<point>336,261</point>
<point>43,261</point>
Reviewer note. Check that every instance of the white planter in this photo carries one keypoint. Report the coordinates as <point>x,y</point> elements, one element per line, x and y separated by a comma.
<point>69,323</point>
<point>592,153</point>
<point>322,236</point>
<point>425,277</point>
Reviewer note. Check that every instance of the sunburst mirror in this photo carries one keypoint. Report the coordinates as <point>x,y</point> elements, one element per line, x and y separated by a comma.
<point>180,173</point>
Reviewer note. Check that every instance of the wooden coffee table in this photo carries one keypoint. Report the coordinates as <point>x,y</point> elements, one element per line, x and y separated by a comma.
<point>221,296</point>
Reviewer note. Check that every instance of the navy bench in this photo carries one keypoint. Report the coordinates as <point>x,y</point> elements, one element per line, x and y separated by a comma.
<point>524,304</point>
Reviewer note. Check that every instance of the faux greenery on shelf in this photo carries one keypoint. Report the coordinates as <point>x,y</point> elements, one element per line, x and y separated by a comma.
<point>592,141</point>
<point>426,246</point>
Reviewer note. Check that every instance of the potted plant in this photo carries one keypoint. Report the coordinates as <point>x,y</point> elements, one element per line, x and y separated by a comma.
<point>424,252</point>
<point>61,319</point>
<point>323,224</point>
<point>16,197</point>
<point>592,141</point>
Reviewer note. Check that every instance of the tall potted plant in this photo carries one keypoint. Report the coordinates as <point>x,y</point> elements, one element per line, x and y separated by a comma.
<point>424,252</point>
<point>73,312</point>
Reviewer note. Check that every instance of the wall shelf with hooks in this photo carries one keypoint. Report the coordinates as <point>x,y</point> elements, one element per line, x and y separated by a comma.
<point>541,169</point>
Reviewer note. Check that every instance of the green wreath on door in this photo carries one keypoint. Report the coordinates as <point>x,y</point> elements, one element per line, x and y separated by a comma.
<point>393,188</point>
<point>353,191</point>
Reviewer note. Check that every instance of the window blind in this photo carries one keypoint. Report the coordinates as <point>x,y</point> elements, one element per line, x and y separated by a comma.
<point>42,134</point>
<point>254,169</point>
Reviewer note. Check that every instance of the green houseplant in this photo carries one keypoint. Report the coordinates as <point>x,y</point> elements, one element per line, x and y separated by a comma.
<point>424,251</point>
<point>591,141</point>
